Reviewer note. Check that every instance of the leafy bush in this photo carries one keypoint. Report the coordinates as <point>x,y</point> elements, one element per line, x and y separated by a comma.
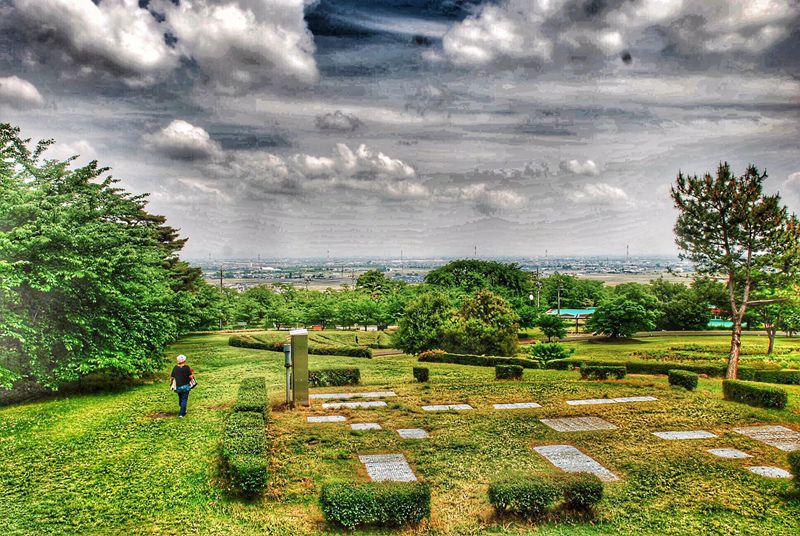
<point>643,367</point>
<point>785,377</point>
<point>582,491</point>
<point>524,496</point>
<point>244,451</point>
<point>683,378</point>
<point>552,326</point>
<point>602,372</point>
<point>334,377</point>
<point>545,352</point>
<point>794,467</point>
<point>508,372</point>
<point>276,345</point>
<point>421,374</point>
<point>252,395</point>
<point>485,324</point>
<point>439,356</point>
<point>385,504</point>
<point>754,394</point>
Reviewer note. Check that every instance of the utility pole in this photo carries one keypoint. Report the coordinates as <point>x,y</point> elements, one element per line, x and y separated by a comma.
<point>220,291</point>
<point>559,298</point>
<point>538,287</point>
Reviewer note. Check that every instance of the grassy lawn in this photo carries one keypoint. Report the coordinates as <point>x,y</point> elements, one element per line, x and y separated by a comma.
<point>120,463</point>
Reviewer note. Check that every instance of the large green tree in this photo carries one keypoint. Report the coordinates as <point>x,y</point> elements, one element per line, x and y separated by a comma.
<point>422,324</point>
<point>726,225</point>
<point>622,316</point>
<point>485,324</point>
<point>472,275</point>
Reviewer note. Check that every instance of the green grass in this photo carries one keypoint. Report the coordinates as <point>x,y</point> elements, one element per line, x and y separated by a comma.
<point>119,463</point>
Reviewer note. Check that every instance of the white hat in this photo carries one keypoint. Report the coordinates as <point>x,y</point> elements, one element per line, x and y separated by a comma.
<point>181,358</point>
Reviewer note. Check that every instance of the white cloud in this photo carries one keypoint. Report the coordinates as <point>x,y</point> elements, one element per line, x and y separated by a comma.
<point>576,167</point>
<point>18,93</point>
<point>485,199</point>
<point>80,148</point>
<point>183,141</point>
<point>790,189</point>
<point>337,122</point>
<point>601,193</point>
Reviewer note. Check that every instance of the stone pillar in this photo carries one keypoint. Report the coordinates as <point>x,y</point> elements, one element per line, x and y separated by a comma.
<point>300,367</point>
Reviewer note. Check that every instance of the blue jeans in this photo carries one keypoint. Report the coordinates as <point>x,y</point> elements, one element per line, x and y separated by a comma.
<point>183,400</point>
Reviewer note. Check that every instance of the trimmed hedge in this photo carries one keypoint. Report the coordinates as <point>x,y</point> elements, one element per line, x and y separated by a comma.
<point>532,497</point>
<point>383,504</point>
<point>784,377</point>
<point>683,378</point>
<point>244,451</point>
<point>602,372</point>
<point>440,356</point>
<point>582,491</point>
<point>253,395</point>
<point>641,367</point>
<point>508,372</point>
<point>421,374</point>
<point>794,467</point>
<point>249,341</point>
<point>754,394</point>
<point>334,377</point>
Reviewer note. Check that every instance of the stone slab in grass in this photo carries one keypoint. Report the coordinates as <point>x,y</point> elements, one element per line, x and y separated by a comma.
<point>731,454</point>
<point>366,426</point>
<point>387,468</point>
<point>770,472</point>
<point>517,405</point>
<point>621,400</point>
<point>355,405</point>
<point>779,437</point>
<point>342,396</point>
<point>571,460</point>
<point>327,418</point>
<point>412,433</point>
<point>447,407</point>
<point>578,424</point>
<point>678,435</point>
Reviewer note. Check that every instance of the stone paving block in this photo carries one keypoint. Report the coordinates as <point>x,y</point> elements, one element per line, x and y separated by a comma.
<point>370,394</point>
<point>355,405</point>
<point>387,467</point>
<point>684,434</point>
<point>779,437</point>
<point>571,460</point>
<point>447,407</point>
<point>327,418</point>
<point>578,424</point>
<point>770,472</point>
<point>621,400</point>
<point>365,426</point>
<point>517,405</point>
<point>624,399</point>
<point>412,433</point>
<point>732,454</point>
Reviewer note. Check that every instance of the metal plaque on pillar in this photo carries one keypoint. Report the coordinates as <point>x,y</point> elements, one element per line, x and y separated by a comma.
<point>300,366</point>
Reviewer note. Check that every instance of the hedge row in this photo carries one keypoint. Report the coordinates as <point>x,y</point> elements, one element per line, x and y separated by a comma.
<point>602,372</point>
<point>683,378</point>
<point>508,372</point>
<point>334,377</point>
<point>244,451</point>
<point>785,377</point>
<point>386,504</point>
<point>532,497</point>
<point>754,394</point>
<point>253,395</point>
<point>249,341</point>
<point>641,367</point>
<point>794,467</point>
<point>440,356</point>
<point>421,374</point>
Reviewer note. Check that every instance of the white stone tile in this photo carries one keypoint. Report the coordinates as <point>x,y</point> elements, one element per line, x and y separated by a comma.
<point>779,437</point>
<point>578,424</point>
<point>569,459</point>
<point>412,433</point>
<point>684,434</point>
<point>343,396</point>
<point>355,405</point>
<point>388,468</point>
<point>365,426</point>
<point>625,399</point>
<point>733,454</point>
<point>327,418</point>
<point>447,407</point>
<point>621,400</point>
<point>770,472</point>
<point>517,405</point>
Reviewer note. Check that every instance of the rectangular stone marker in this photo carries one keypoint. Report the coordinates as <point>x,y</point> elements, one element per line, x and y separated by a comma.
<point>622,400</point>
<point>355,405</point>
<point>412,433</point>
<point>447,407</point>
<point>770,472</point>
<point>517,405</point>
<point>365,426</point>
<point>387,468</point>
<point>327,418</point>
<point>779,437</point>
<point>571,460</point>
<point>684,434</point>
<point>732,454</point>
<point>578,424</point>
<point>343,396</point>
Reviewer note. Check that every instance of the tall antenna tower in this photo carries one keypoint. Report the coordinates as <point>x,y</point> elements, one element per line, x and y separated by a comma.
<point>476,251</point>
<point>627,253</point>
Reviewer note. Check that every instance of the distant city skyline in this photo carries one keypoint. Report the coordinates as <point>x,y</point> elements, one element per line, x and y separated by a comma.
<point>292,128</point>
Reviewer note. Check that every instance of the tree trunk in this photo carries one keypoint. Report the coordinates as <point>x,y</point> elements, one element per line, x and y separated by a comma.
<point>771,335</point>
<point>736,346</point>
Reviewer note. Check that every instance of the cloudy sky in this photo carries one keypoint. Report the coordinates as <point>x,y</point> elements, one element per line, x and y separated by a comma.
<point>298,127</point>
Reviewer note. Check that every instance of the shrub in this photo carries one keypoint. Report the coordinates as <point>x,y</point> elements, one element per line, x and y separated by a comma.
<point>439,356</point>
<point>386,504</point>
<point>421,374</point>
<point>545,352</point>
<point>508,372</point>
<point>244,451</point>
<point>582,491</point>
<point>643,367</point>
<point>602,372</point>
<point>334,376</point>
<point>252,395</point>
<point>683,378</point>
<point>794,467</point>
<point>528,497</point>
<point>785,377</point>
<point>754,394</point>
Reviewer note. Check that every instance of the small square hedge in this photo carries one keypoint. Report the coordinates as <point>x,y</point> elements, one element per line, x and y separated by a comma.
<point>683,378</point>
<point>334,377</point>
<point>794,467</point>
<point>244,451</point>
<point>381,504</point>
<point>582,491</point>
<point>252,395</point>
<point>421,374</point>
<point>508,372</point>
<point>602,372</point>
<point>526,497</point>
<point>754,394</point>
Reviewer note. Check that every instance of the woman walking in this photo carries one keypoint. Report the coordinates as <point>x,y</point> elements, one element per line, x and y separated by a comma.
<point>182,380</point>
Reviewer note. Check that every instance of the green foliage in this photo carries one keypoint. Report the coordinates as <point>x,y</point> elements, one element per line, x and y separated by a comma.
<point>785,377</point>
<point>641,367</point>
<point>473,275</point>
<point>621,316</point>
<point>794,467</point>
<point>602,372</point>
<point>244,451</point>
<point>754,394</point>
<point>683,378</point>
<point>375,281</point>
<point>552,326</point>
<point>524,496</point>
<point>582,491</point>
<point>276,345</point>
<point>422,323</point>
<point>421,374</point>
<point>334,377</point>
<point>545,352</point>
<point>485,324</point>
<point>381,504</point>
<point>253,395</point>
<point>440,356</point>
<point>575,293</point>
<point>508,372</point>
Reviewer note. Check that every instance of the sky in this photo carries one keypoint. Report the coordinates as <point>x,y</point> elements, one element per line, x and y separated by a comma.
<point>307,128</point>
